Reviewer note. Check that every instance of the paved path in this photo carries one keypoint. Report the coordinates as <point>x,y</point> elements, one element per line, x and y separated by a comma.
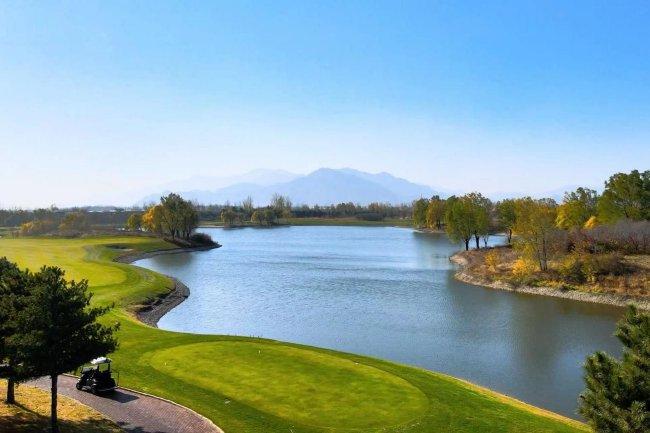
<point>134,412</point>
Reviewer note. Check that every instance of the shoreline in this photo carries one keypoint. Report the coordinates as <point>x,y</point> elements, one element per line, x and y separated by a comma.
<point>152,312</point>
<point>596,298</point>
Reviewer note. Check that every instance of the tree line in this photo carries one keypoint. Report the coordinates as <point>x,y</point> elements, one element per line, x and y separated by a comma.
<point>150,218</point>
<point>538,223</point>
<point>47,328</point>
<point>281,208</point>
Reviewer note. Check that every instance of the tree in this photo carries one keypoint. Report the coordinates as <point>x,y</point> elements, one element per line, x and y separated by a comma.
<point>247,206</point>
<point>535,224</point>
<point>435,214</point>
<point>270,216</point>
<point>506,216</point>
<point>74,221</point>
<point>172,210</point>
<point>257,217</point>
<point>188,220</point>
<point>152,220</point>
<point>481,208</point>
<point>280,203</point>
<point>625,196</point>
<point>174,217</point>
<point>576,208</point>
<point>228,216</point>
<point>134,222</point>
<point>459,219</point>
<point>13,293</point>
<point>57,331</point>
<point>420,212</point>
<point>617,394</point>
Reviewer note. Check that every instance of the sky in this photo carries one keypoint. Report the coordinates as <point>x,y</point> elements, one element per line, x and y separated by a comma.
<point>101,102</point>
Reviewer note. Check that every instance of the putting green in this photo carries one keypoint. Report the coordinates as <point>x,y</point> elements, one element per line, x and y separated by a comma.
<point>280,380</point>
<point>251,385</point>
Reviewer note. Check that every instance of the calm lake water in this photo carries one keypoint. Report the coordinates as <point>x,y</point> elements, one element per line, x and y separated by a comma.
<point>388,293</point>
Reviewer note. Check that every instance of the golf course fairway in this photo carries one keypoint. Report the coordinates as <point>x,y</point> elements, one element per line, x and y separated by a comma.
<point>250,385</point>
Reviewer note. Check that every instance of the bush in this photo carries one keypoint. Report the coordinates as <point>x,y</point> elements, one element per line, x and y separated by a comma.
<point>572,269</point>
<point>523,268</point>
<point>201,239</point>
<point>625,236</point>
<point>581,267</point>
<point>492,260</point>
<point>37,227</point>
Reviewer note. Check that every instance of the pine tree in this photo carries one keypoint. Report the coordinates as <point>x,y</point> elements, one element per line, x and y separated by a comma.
<point>617,398</point>
<point>58,330</point>
<point>13,293</point>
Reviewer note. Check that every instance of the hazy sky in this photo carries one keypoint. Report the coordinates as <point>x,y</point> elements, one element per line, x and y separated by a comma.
<point>102,100</point>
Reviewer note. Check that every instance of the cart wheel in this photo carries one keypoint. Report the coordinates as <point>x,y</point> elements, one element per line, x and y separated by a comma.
<point>78,386</point>
<point>93,389</point>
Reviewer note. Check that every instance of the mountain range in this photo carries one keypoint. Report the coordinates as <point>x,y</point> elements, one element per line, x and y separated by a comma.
<point>323,187</point>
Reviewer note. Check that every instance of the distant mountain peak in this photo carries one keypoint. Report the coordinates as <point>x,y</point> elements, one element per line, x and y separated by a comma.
<point>323,186</point>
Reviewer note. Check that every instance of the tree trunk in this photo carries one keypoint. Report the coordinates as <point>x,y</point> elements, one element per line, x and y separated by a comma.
<point>478,244</point>
<point>467,244</point>
<point>11,399</point>
<point>53,417</point>
<point>509,236</point>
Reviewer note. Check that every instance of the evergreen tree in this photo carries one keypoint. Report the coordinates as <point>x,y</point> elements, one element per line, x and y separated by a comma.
<point>13,293</point>
<point>58,330</point>
<point>617,398</point>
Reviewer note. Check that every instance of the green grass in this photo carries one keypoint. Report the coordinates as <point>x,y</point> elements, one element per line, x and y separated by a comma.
<point>264,386</point>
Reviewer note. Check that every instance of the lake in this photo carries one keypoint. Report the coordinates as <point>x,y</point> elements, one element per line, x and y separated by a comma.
<point>390,293</point>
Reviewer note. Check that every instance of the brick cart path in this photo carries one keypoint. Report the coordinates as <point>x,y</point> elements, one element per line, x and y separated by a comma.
<point>135,412</point>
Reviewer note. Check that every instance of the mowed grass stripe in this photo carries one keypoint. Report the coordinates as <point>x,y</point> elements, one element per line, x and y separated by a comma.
<point>255,385</point>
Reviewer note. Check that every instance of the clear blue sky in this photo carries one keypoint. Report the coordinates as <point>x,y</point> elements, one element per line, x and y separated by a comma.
<point>102,100</point>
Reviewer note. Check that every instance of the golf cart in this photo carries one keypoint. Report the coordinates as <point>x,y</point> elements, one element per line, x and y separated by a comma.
<point>97,377</point>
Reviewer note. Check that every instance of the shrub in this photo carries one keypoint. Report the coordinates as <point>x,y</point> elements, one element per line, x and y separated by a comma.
<point>523,268</point>
<point>581,267</point>
<point>572,269</point>
<point>626,236</point>
<point>201,239</point>
<point>37,227</point>
<point>492,260</point>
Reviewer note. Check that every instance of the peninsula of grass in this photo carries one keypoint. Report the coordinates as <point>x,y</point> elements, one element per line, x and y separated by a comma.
<point>248,385</point>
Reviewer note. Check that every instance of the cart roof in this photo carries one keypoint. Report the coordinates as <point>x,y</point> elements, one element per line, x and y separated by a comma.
<point>100,360</point>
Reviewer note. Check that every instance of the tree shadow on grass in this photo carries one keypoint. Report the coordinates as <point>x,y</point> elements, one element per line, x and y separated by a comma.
<point>26,421</point>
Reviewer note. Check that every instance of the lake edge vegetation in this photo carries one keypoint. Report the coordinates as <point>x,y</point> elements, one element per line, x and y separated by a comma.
<point>588,242</point>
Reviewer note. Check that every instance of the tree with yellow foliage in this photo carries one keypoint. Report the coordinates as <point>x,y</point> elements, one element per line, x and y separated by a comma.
<point>576,208</point>
<point>535,226</point>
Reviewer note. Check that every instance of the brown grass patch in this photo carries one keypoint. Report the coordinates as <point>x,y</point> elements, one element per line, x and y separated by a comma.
<point>32,414</point>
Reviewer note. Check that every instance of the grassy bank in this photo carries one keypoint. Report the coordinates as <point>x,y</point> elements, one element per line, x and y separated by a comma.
<point>32,414</point>
<point>256,385</point>
<point>389,222</point>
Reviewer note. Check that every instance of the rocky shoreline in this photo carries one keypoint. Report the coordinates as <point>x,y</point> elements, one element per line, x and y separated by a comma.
<point>599,298</point>
<point>152,312</point>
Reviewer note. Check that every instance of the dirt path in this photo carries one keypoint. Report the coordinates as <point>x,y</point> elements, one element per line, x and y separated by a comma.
<point>135,412</point>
